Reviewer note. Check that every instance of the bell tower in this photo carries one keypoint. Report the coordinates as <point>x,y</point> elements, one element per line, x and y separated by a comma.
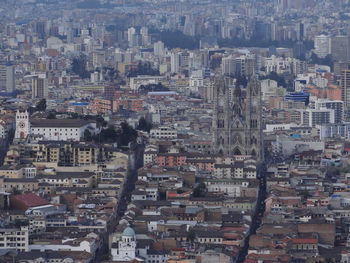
<point>22,125</point>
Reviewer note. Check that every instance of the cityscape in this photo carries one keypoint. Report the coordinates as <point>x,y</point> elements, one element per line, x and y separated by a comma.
<point>174,131</point>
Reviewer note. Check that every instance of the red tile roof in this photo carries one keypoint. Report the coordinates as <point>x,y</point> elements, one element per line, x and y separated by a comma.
<point>30,200</point>
<point>304,241</point>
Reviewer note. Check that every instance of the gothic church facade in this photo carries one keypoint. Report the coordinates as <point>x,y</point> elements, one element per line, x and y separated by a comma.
<point>237,125</point>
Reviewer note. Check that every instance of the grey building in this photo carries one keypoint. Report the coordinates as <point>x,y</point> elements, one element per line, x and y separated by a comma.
<point>7,78</point>
<point>237,118</point>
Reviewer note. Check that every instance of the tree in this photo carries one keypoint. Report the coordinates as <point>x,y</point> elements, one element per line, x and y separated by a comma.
<point>191,235</point>
<point>100,121</point>
<point>123,136</point>
<point>126,134</point>
<point>281,81</point>
<point>87,135</point>
<point>199,190</point>
<point>51,115</point>
<point>328,60</point>
<point>144,125</point>
<point>41,105</point>
<point>108,135</point>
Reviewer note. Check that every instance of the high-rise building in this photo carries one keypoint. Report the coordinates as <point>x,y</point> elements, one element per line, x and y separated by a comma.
<point>322,46</point>
<point>237,126</point>
<point>144,36</point>
<point>39,87</point>
<point>313,117</point>
<point>336,105</point>
<point>7,78</point>
<point>242,65</point>
<point>345,91</point>
<point>132,39</point>
<point>340,48</point>
<point>175,62</point>
<point>158,49</point>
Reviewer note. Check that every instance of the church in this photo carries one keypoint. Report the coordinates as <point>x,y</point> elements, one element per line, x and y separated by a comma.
<point>237,125</point>
<point>51,129</point>
<point>125,248</point>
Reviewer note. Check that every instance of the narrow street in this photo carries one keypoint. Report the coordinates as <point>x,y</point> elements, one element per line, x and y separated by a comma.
<point>258,214</point>
<point>137,153</point>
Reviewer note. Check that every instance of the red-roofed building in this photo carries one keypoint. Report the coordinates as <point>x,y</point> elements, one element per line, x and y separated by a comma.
<point>309,245</point>
<point>25,201</point>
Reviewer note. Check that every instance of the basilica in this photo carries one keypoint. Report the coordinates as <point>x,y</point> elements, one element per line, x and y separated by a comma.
<point>237,126</point>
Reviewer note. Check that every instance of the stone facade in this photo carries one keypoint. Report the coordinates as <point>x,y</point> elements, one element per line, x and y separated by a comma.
<point>237,118</point>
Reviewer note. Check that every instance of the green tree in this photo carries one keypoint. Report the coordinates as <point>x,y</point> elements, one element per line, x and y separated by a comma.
<point>51,115</point>
<point>41,105</point>
<point>87,135</point>
<point>126,134</point>
<point>191,235</point>
<point>100,121</point>
<point>144,125</point>
<point>108,135</point>
<point>200,190</point>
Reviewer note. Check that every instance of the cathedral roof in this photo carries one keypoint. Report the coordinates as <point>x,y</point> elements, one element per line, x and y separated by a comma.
<point>128,231</point>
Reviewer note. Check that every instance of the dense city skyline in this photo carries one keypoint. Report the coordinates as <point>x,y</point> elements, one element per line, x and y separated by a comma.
<point>174,131</point>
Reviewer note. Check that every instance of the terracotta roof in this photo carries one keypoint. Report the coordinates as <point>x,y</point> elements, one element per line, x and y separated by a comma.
<point>304,241</point>
<point>30,200</point>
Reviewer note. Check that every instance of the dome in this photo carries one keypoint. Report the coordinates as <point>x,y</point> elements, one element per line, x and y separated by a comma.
<point>128,231</point>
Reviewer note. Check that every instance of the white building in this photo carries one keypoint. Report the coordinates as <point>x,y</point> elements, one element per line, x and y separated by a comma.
<point>124,249</point>
<point>158,49</point>
<point>87,244</point>
<point>322,46</point>
<point>196,80</point>
<point>286,145</point>
<point>14,238</point>
<point>150,154</point>
<point>164,132</point>
<point>136,82</point>
<point>313,117</point>
<point>52,129</point>
<point>269,88</point>
<point>175,62</point>
<point>22,125</point>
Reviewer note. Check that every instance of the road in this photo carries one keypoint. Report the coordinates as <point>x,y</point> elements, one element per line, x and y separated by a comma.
<point>258,214</point>
<point>136,153</point>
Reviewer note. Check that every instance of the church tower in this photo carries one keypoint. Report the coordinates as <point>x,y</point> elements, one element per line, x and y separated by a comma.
<point>237,117</point>
<point>22,125</point>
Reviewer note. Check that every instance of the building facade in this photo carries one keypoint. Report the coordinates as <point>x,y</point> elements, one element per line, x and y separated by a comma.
<point>237,118</point>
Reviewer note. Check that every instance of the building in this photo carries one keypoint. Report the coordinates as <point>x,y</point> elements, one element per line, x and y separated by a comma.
<point>22,125</point>
<point>336,105</point>
<point>61,130</point>
<point>39,87</point>
<point>312,117</point>
<point>51,129</point>
<point>345,88</point>
<point>298,96</point>
<point>163,132</point>
<point>7,78</point>
<point>237,119</point>
<point>322,46</point>
<point>159,49</point>
<point>242,65</point>
<point>124,249</point>
<point>337,130</point>
<point>14,238</point>
<point>175,62</point>
<point>340,48</point>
